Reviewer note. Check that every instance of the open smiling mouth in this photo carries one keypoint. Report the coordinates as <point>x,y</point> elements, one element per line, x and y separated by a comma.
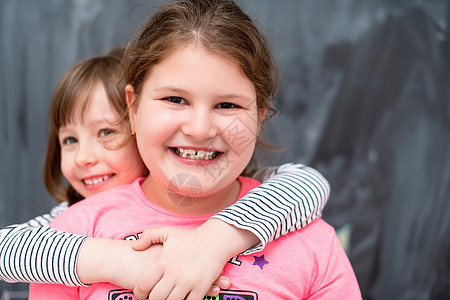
<point>195,154</point>
<point>92,181</point>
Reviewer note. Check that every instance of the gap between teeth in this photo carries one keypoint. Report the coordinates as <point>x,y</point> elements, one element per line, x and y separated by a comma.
<point>96,180</point>
<point>193,154</point>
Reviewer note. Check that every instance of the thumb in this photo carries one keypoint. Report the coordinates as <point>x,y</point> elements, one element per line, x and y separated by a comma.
<point>149,237</point>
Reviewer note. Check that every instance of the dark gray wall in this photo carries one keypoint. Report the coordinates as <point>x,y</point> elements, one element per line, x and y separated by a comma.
<point>364,97</point>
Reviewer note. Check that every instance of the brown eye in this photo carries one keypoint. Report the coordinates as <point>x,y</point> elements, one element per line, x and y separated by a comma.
<point>227,105</point>
<point>176,100</point>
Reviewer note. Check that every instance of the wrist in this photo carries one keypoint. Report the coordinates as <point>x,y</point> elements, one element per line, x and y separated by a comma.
<point>227,239</point>
<point>94,263</point>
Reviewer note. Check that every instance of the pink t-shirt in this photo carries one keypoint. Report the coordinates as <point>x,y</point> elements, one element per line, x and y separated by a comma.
<point>306,264</point>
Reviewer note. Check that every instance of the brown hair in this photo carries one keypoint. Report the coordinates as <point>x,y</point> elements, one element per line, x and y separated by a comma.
<point>70,100</point>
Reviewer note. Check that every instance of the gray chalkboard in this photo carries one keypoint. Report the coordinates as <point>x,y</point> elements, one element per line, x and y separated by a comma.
<point>364,98</point>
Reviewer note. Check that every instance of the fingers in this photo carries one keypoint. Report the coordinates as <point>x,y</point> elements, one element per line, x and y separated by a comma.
<point>197,292</point>
<point>222,282</point>
<point>213,291</point>
<point>155,285</point>
<point>164,290</point>
<point>147,282</point>
<point>151,236</point>
<point>167,289</point>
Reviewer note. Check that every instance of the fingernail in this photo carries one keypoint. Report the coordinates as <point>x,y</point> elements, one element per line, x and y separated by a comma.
<point>225,282</point>
<point>215,290</point>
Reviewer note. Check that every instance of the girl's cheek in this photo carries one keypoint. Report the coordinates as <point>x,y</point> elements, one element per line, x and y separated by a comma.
<point>241,133</point>
<point>65,166</point>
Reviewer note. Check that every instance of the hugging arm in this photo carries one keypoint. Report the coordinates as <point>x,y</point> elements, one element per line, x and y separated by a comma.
<point>290,197</point>
<point>22,245</point>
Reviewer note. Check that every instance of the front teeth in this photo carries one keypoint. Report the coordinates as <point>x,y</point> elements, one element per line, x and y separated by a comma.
<point>95,180</point>
<point>193,154</point>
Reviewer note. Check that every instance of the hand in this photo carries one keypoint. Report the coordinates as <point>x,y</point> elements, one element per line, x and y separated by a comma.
<point>186,267</point>
<point>115,261</point>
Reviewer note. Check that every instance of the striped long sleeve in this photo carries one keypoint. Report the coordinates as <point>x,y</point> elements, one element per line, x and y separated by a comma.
<point>291,197</point>
<point>34,252</point>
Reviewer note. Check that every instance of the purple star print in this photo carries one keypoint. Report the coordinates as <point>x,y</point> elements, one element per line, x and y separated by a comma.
<point>260,261</point>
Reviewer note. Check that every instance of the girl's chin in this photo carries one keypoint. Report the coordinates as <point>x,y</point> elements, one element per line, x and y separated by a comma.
<point>92,190</point>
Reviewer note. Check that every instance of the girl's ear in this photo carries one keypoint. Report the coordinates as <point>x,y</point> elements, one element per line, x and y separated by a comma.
<point>131,98</point>
<point>262,114</point>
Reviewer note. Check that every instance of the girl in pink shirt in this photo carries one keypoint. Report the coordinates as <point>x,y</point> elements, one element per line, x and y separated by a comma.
<point>200,80</point>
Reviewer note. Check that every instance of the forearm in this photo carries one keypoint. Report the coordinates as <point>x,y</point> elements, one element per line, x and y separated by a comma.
<point>292,198</point>
<point>114,261</point>
<point>227,240</point>
<point>38,254</point>
<point>96,259</point>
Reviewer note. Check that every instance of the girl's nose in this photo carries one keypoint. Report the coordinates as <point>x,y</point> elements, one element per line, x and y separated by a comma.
<point>86,156</point>
<point>200,125</point>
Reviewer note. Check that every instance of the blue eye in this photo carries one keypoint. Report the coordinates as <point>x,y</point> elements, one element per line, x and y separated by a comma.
<point>69,140</point>
<point>176,100</point>
<point>106,131</point>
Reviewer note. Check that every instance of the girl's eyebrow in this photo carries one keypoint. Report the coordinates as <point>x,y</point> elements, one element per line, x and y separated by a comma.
<point>234,95</point>
<point>170,89</point>
<point>63,129</point>
<point>98,121</point>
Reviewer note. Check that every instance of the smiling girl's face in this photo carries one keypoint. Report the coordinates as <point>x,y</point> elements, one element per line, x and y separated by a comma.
<point>197,117</point>
<point>92,157</point>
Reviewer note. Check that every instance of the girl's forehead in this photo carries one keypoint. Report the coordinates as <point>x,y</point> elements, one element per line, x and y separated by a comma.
<point>192,58</point>
<point>92,105</point>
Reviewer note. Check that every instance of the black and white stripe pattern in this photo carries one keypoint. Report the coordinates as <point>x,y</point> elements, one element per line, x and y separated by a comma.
<point>291,197</point>
<point>45,220</point>
<point>34,252</point>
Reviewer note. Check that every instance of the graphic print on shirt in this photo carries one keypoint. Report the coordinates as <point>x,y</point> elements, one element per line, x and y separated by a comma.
<point>121,294</point>
<point>260,261</point>
<point>133,237</point>
<point>233,295</point>
<point>235,260</point>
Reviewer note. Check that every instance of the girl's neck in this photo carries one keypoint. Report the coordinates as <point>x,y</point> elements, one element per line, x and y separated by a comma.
<point>192,202</point>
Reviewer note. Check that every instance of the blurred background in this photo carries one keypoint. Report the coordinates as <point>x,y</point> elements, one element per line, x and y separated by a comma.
<point>364,98</point>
